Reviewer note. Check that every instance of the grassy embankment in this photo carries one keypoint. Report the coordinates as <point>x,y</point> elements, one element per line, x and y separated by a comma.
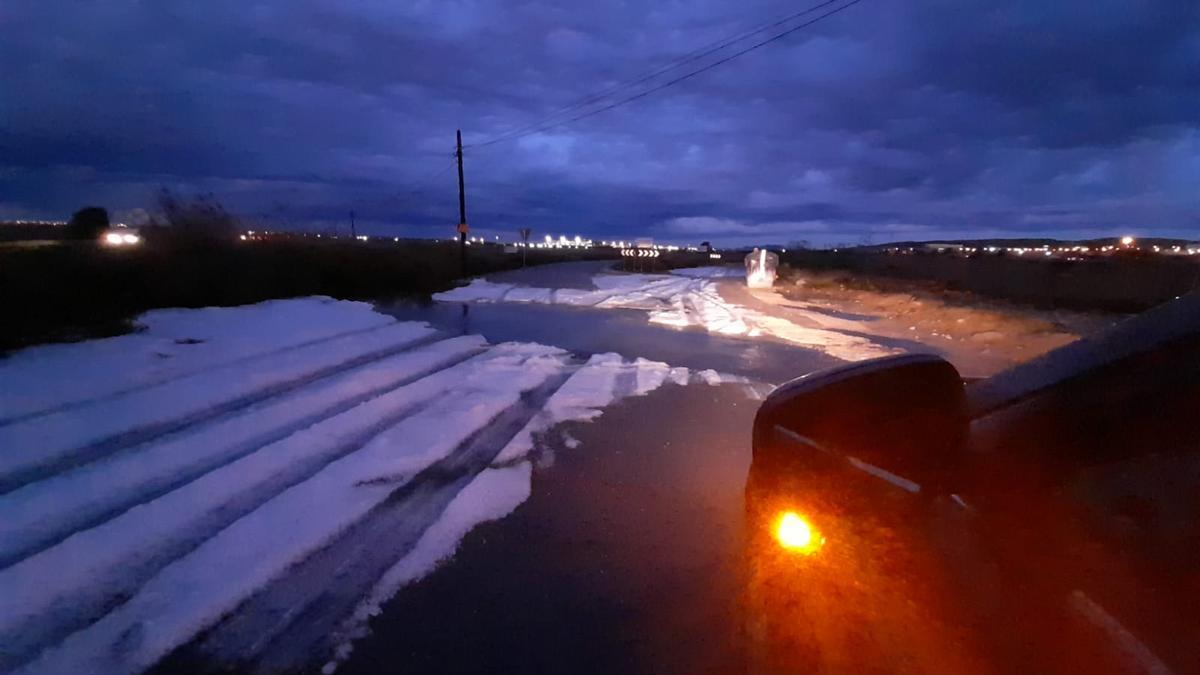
<point>1118,284</point>
<point>78,290</point>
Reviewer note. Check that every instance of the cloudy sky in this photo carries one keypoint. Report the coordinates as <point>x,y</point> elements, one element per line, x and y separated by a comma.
<point>894,119</point>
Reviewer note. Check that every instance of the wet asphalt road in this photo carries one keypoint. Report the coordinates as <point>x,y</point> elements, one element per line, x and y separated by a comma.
<point>628,555</point>
<point>635,552</point>
<point>625,559</point>
<point>588,330</point>
<point>646,546</point>
<point>640,550</point>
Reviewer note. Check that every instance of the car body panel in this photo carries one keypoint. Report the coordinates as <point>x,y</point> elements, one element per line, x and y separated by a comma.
<point>1057,529</point>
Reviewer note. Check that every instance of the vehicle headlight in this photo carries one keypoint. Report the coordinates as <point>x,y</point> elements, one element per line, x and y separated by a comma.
<point>130,238</point>
<point>114,238</point>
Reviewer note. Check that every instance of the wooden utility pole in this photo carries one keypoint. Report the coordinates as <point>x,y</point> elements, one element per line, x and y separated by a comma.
<point>524,232</point>
<point>462,207</point>
<point>353,232</point>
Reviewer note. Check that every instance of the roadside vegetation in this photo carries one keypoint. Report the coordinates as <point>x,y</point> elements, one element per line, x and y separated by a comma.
<point>1114,284</point>
<point>78,288</point>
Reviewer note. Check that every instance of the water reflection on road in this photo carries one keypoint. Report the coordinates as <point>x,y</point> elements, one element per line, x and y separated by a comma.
<point>626,558</point>
<point>647,545</point>
<point>627,332</point>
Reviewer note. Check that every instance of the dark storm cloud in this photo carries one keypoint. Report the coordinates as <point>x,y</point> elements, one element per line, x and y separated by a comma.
<point>889,120</point>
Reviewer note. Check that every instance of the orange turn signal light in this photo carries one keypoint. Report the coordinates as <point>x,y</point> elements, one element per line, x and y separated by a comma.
<point>795,533</point>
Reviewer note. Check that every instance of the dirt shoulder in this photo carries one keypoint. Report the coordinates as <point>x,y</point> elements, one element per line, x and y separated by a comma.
<point>980,336</point>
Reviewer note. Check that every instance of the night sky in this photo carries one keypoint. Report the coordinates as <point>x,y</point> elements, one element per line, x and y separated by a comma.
<point>895,119</point>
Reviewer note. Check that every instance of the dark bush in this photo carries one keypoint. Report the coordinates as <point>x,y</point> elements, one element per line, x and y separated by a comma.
<point>196,219</point>
<point>96,290</point>
<point>88,223</point>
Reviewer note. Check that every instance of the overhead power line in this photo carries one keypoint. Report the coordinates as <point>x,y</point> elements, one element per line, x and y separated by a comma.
<point>527,131</point>
<point>422,186</point>
<point>683,60</point>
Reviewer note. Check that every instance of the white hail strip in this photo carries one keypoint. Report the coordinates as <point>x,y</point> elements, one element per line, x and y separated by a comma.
<point>1125,641</point>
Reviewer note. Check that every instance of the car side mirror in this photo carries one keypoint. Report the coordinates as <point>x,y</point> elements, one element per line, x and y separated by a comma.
<point>902,418</point>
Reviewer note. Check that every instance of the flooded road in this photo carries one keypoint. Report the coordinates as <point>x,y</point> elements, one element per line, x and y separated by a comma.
<point>629,554</point>
<point>590,330</point>
<point>551,478</point>
<point>586,330</point>
<point>643,547</point>
<point>627,557</point>
<point>633,553</point>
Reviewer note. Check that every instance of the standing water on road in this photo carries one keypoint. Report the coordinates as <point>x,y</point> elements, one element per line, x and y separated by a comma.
<point>586,307</point>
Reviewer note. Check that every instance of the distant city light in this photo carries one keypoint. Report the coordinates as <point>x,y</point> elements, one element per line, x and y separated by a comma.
<point>120,235</point>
